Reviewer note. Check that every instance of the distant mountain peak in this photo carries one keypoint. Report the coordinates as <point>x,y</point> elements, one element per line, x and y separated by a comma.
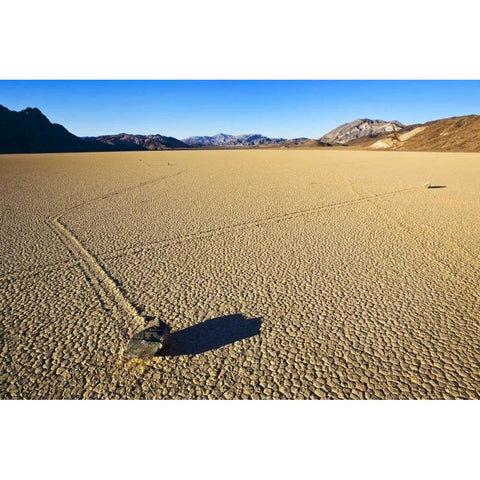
<point>29,110</point>
<point>34,113</point>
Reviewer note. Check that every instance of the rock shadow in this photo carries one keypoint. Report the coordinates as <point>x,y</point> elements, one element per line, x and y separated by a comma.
<point>210,335</point>
<point>437,186</point>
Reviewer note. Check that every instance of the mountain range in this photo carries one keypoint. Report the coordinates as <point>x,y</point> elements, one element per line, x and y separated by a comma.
<point>30,131</point>
<point>225,140</point>
<point>127,141</point>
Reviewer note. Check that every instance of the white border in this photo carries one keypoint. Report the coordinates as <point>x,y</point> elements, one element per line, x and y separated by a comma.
<point>240,439</point>
<point>252,39</point>
<point>239,40</point>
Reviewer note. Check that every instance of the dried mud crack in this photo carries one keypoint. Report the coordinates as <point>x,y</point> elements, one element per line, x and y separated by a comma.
<point>249,224</point>
<point>283,274</point>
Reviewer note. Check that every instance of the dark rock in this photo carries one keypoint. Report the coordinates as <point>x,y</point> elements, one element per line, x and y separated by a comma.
<point>148,342</point>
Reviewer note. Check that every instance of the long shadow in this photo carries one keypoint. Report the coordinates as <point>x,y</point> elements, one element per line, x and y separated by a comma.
<point>211,334</point>
<point>437,186</point>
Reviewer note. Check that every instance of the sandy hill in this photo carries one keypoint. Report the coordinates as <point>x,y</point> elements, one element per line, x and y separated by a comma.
<point>359,129</point>
<point>456,134</point>
<point>30,131</point>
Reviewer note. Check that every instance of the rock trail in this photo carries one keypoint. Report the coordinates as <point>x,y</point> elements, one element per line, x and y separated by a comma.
<point>245,225</point>
<point>106,288</point>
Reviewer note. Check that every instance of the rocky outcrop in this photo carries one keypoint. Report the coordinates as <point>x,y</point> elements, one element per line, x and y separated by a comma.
<point>361,128</point>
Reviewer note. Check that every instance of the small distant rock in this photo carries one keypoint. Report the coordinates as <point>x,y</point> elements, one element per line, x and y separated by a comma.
<point>148,342</point>
<point>427,185</point>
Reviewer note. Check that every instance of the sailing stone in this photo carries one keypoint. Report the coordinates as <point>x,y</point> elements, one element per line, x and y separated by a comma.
<point>148,342</point>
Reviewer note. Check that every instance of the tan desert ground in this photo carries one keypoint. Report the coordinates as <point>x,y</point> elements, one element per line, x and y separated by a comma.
<point>319,274</point>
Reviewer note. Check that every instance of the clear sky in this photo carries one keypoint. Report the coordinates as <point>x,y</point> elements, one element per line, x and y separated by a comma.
<point>274,108</point>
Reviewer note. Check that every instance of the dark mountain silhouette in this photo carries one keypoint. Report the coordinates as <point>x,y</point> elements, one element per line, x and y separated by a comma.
<point>30,131</point>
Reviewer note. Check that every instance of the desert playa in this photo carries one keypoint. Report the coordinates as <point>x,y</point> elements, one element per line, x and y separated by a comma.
<point>292,274</point>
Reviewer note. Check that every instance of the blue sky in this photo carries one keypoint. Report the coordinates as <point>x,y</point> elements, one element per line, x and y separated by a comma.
<point>274,108</point>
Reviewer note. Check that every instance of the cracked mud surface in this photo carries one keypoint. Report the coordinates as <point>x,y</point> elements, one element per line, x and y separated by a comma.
<point>282,274</point>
